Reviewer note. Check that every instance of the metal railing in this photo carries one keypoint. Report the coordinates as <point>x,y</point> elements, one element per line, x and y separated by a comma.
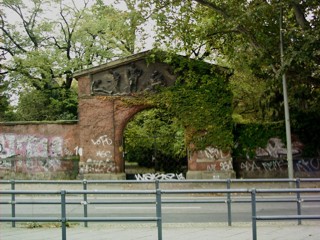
<point>158,192</point>
<point>63,219</point>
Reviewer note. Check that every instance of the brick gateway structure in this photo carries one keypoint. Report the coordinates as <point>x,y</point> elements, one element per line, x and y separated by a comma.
<point>103,115</point>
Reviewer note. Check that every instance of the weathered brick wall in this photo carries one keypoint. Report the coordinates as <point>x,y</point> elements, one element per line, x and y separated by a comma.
<point>210,163</point>
<point>46,151</point>
<point>101,124</point>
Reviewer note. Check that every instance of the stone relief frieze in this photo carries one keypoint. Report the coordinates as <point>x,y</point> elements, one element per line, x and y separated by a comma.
<point>108,83</point>
<point>133,74</point>
<point>132,78</point>
<point>156,79</point>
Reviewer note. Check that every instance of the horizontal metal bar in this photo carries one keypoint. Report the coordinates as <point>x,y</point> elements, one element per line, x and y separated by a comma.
<point>288,217</point>
<point>79,219</point>
<point>183,191</point>
<point>111,219</point>
<point>193,201</point>
<point>111,191</point>
<point>264,200</point>
<point>160,181</point>
<point>122,202</point>
<point>309,179</point>
<point>33,192</point>
<point>30,219</point>
<point>120,181</point>
<point>310,200</point>
<point>267,180</point>
<point>55,182</point>
<point>289,190</point>
<point>81,202</point>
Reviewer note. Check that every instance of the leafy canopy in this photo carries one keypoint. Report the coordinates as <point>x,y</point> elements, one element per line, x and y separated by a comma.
<point>50,40</point>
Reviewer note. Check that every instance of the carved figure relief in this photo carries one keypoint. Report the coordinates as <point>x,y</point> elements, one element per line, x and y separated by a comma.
<point>156,79</point>
<point>133,74</point>
<point>107,84</point>
<point>130,78</point>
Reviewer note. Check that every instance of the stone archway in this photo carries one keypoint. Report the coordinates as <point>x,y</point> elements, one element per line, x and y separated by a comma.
<point>104,113</point>
<point>154,145</point>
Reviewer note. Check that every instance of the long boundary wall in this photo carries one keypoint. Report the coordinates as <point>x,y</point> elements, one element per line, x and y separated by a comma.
<point>32,150</point>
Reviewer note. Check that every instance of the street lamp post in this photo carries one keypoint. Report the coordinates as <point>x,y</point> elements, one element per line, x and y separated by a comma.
<point>286,105</point>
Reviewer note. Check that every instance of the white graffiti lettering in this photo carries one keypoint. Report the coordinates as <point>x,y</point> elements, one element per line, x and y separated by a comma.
<point>103,140</point>
<point>220,166</point>
<point>159,176</point>
<point>32,165</point>
<point>249,166</point>
<point>104,154</point>
<point>79,150</point>
<point>30,146</point>
<point>226,166</point>
<point>214,153</point>
<point>276,148</point>
<point>308,165</point>
<point>273,165</point>
<point>211,168</point>
<point>98,166</point>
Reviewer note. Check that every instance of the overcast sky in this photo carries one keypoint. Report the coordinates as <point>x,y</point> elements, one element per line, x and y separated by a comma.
<point>51,13</point>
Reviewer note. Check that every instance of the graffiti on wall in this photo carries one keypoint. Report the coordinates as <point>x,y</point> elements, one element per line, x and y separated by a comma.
<point>102,161</point>
<point>299,165</point>
<point>273,165</point>
<point>307,165</point>
<point>159,176</point>
<point>211,153</point>
<point>276,149</point>
<point>30,153</point>
<point>30,146</point>
<point>220,166</point>
<point>273,158</point>
<point>31,165</point>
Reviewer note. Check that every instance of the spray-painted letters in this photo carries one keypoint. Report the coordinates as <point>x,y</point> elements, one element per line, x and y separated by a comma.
<point>102,160</point>
<point>103,140</point>
<point>159,176</point>
<point>29,146</point>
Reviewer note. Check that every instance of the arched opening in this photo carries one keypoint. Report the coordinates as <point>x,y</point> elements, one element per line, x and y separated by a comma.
<point>154,146</point>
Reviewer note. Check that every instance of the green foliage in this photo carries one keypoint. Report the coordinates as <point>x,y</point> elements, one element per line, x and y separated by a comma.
<point>306,126</point>
<point>58,104</point>
<point>154,136</point>
<point>245,36</point>
<point>248,137</point>
<point>42,51</point>
<point>201,103</point>
<point>6,111</point>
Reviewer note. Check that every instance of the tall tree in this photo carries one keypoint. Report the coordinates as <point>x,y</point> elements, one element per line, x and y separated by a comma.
<point>50,40</point>
<point>244,35</point>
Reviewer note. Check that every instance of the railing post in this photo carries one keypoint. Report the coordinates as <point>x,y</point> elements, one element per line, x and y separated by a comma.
<point>63,215</point>
<point>85,202</point>
<point>157,184</point>
<point>13,202</point>
<point>298,200</point>
<point>159,210</point>
<point>229,202</point>
<point>253,214</point>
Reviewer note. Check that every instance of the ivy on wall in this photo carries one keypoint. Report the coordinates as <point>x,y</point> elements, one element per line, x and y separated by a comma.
<point>248,137</point>
<point>200,100</point>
